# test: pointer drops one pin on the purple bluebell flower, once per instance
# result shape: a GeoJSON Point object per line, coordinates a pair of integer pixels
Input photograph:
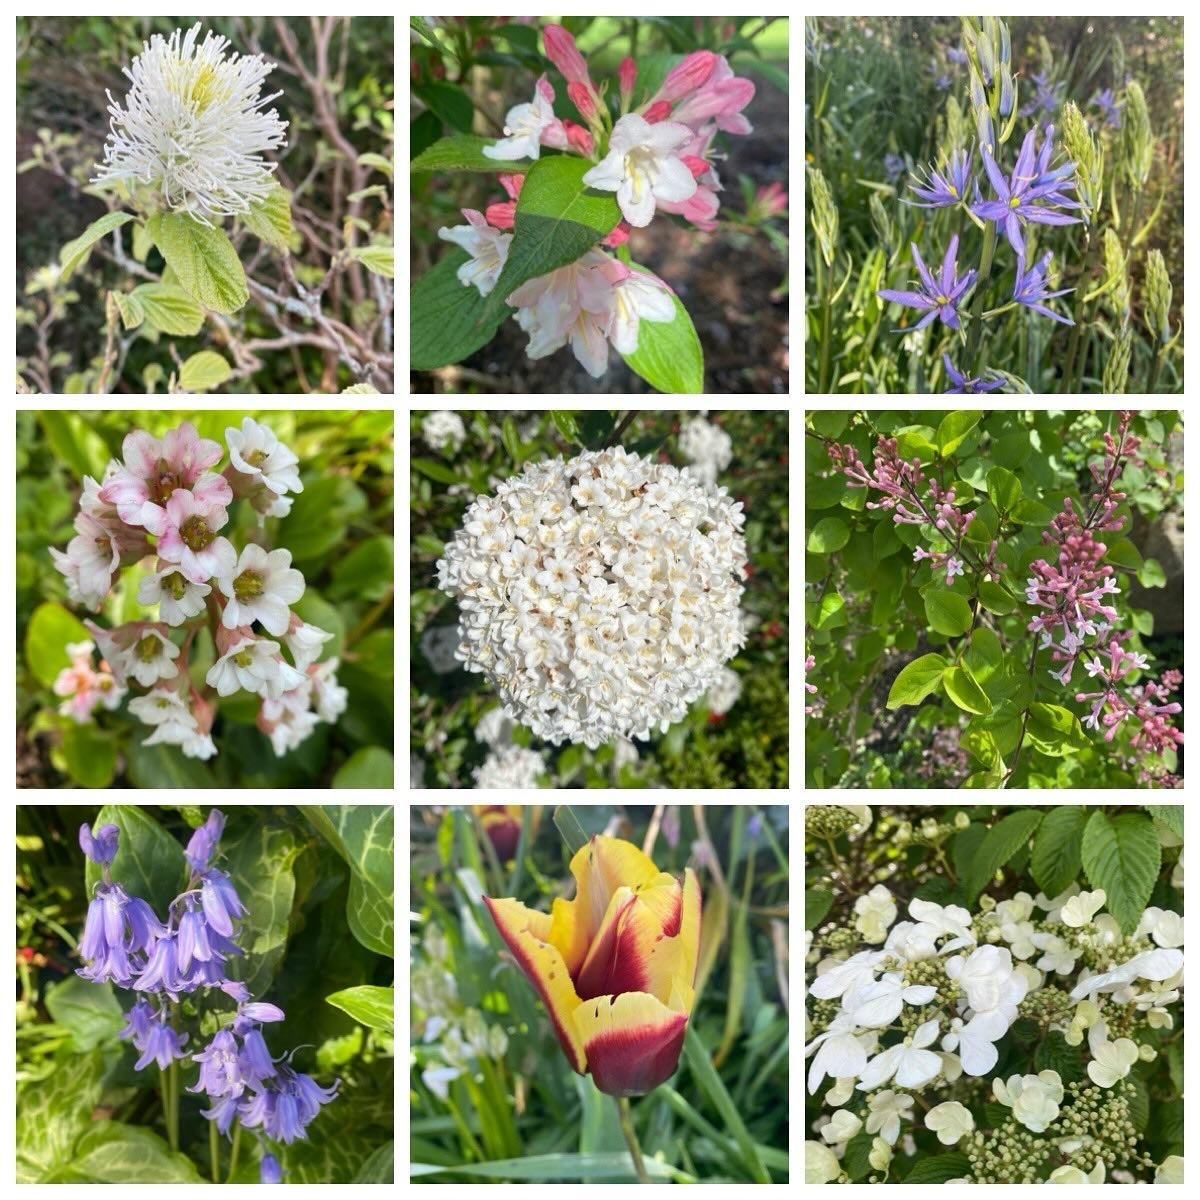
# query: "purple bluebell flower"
{"type": "Point", "coordinates": [1110, 110]}
{"type": "Point", "coordinates": [144, 927]}
{"type": "Point", "coordinates": [161, 1045]}
{"type": "Point", "coordinates": [1030, 289]}
{"type": "Point", "coordinates": [256, 1059]}
{"type": "Point", "coordinates": [116, 927]}
{"type": "Point", "coordinates": [222, 905]}
{"type": "Point", "coordinates": [963, 385]}
{"type": "Point", "coordinates": [236, 989]}
{"type": "Point", "coordinates": [938, 297]}
{"type": "Point", "coordinates": [137, 1022]}
{"type": "Point", "coordinates": [204, 841]}
{"type": "Point", "coordinates": [161, 973]}
{"type": "Point", "coordinates": [286, 1106]}
{"type": "Point", "coordinates": [948, 188]}
{"type": "Point", "coordinates": [269, 1170]}
{"type": "Point", "coordinates": [101, 848]}
{"type": "Point", "coordinates": [222, 1112]}
{"type": "Point", "coordinates": [263, 1012]}
{"type": "Point", "coordinates": [221, 1068]}
{"type": "Point", "coordinates": [193, 939]}
{"type": "Point", "coordinates": [1031, 180]}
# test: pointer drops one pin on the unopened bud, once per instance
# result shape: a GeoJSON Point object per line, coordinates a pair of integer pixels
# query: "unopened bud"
{"type": "Point", "coordinates": [961, 820]}
{"type": "Point", "coordinates": [564, 54]}
{"type": "Point", "coordinates": [1116, 368]}
{"type": "Point", "coordinates": [882, 222]}
{"type": "Point", "coordinates": [501, 216]}
{"type": "Point", "coordinates": [1156, 297]}
{"type": "Point", "coordinates": [1147, 1053]}
{"type": "Point", "coordinates": [658, 111]}
{"type": "Point", "coordinates": [825, 225]}
{"type": "Point", "coordinates": [1137, 138]}
{"type": "Point", "coordinates": [581, 97]}
{"type": "Point", "coordinates": [690, 74]}
{"type": "Point", "coordinates": [986, 903]}
{"type": "Point", "coordinates": [626, 78]}
{"type": "Point", "coordinates": [579, 138]}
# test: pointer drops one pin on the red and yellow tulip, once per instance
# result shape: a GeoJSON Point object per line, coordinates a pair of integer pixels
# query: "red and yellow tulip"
{"type": "Point", "coordinates": [502, 824]}
{"type": "Point", "coordinates": [615, 967]}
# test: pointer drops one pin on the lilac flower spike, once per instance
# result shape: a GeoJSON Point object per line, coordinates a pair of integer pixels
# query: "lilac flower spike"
{"type": "Point", "coordinates": [101, 848]}
{"type": "Point", "coordinates": [1030, 180]}
{"type": "Point", "coordinates": [1030, 289]}
{"type": "Point", "coordinates": [940, 296]}
{"type": "Point", "coordinates": [946, 189]}
{"type": "Point", "coordinates": [964, 386]}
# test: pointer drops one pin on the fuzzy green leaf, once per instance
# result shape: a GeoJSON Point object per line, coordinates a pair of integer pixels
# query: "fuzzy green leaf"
{"type": "Point", "coordinates": [203, 259]}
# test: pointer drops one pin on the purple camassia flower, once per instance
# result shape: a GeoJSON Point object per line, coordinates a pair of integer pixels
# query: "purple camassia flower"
{"type": "Point", "coordinates": [1110, 110]}
{"type": "Point", "coordinates": [1030, 289]}
{"type": "Point", "coordinates": [956, 55]}
{"type": "Point", "coordinates": [964, 386]}
{"type": "Point", "coordinates": [269, 1170]}
{"type": "Point", "coordinates": [939, 297]}
{"type": "Point", "coordinates": [1031, 180]}
{"type": "Point", "coordinates": [941, 80]}
{"type": "Point", "coordinates": [945, 189]}
{"type": "Point", "coordinates": [287, 1105]}
{"type": "Point", "coordinates": [204, 841]}
{"type": "Point", "coordinates": [222, 906]}
{"type": "Point", "coordinates": [101, 848]}
{"type": "Point", "coordinates": [1047, 97]}
{"type": "Point", "coordinates": [893, 166]}
{"type": "Point", "coordinates": [120, 931]}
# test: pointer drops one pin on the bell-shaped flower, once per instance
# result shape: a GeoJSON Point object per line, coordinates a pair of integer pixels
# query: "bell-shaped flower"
{"type": "Point", "coordinates": [528, 126]}
{"type": "Point", "coordinates": [220, 901]}
{"type": "Point", "coordinates": [636, 296]}
{"type": "Point", "coordinates": [910, 1063]}
{"type": "Point", "coordinates": [161, 1044]}
{"type": "Point", "coordinates": [1034, 1099]}
{"type": "Point", "coordinates": [951, 1121]}
{"type": "Point", "coordinates": [101, 847]}
{"type": "Point", "coordinates": [642, 166]}
{"type": "Point", "coordinates": [615, 966]}
{"type": "Point", "coordinates": [255, 665]}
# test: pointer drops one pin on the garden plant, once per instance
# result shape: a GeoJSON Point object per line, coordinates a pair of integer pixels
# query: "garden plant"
{"type": "Point", "coordinates": [589, 153]}
{"type": "Point", "coordinates": [1010, 219]}
{"type": "Point", "coordinates": [175, 1051]}
{"type": "Point", "coordinates": [588, 613]}
{"type": "Point", "coordinates": [994, 995]}
{"type": "Point", "coordinates": [978, 611]}
{"type": "Point", "coordinates": [600, 997]}
{"type": "Point", "coordinates": [233, 230]}
{"type": "Point", "coordinates": [199, 611]}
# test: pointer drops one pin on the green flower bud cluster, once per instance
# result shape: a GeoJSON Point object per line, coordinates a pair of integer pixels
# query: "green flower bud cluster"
{"type": "Point", "coordinates": [827, 820]}
{"type": "Point", "coordinates": [824, 215]}
{"type": "Point", "coordinates": [1156, 296]}
{"type": "Point", "coordinates": [1137, 138]}
{"type": "Point", "coordinates": [885, 231]}
{"type": "Point", "coordinates": [841, 939]}
{"type": "Point", "coordinates": [1047, 1006]}
{"type": "Point", "coordinates": [1009, 1154]}
{"type": "Point", "coordinates": [1116, 369]}
{"type": "Point", "coordinates": [1116, 275]}
{"type": "Point", "coordinates": [1087, 155]}
{"type": "Point", "coordinates": [823, 1012]}
{"type": "Point", "coordinates": [957, 127]}
{"type": "Point", "coordinates": [1102, 1115]}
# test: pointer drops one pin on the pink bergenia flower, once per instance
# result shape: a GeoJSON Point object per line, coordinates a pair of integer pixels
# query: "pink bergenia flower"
{"type": "Point", "coordinates": [258, 459]}
{"type": "Point", "coordinates": [83, 688]}
{"type": "Point", "coordinates": [155, 468]}
{"type": "Point", "coordinates": [89, 562]}
{"type": "Point", "coordinates": [188, 536]}
{"type": "Point", "coordinates": [487, 247]}
{"type": "Point", "coordinates": [642, 166]}
{"type": "Point", "coordinates": [260, 588]}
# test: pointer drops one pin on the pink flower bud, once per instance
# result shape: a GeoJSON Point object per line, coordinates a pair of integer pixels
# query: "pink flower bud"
{"type": "Point", "coordinates": [545, 88]}
{"type": "Point", "coordinates": [564, 54]}
{"type": "Point", "coordinates": [627, 77]}
{"type": "Point", "coordinates": [578, 138]}
{"type": "Point", "coordinates": [697, 166]}
{"type": "Point", "coordinates": [512, 184]}
{"type": "Point", "coordinates": [692, 73]}
{"type": "Point", "coordinates": [501, 215]}
{"type": "Point", "coordinates": [618, 237]}
{"type": "Point", "coordinates": [658, 111]}
{"type": "Point", "coordinates": [581, 97]}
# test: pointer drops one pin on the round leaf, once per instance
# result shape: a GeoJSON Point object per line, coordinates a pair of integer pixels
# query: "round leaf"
{"type": "Point", "coordinates": [829, 534]}
{"type": "Point", "coordinates": [965, 692]}
{"type": "Point", "coordinates": [947, 611]}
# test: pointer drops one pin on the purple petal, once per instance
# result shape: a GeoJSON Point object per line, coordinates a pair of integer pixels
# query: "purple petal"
{"type": "Point", "coordinates": [912, 299]}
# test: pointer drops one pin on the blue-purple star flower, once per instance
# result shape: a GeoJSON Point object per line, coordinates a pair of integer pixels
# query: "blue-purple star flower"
{"type": "Point", "coordinates": [938, 297]}
{"type": "Point", "coordinates": [1046, 99]}
{"type": "Point", "coordinates": [945, 189]}
{"type": "Point", "coordinates": [1031, 179]}
{"type": "Point", "coordinates": [956, 56]}
{"type": "Point", "coordinates": [893, 166]}
{"type": "Point", "coordinates": [1030, 289]}
{"type": "Point", "coordinates": [1110, 110]}
{"type": "Point", "coordinates": [964, 386]}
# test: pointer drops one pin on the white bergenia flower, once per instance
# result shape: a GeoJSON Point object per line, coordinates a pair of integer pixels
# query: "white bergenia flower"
{"type": "Point", "coordinates": [443, 429]}
{"type": "Point", "coordinates": [177, 597]}
{"type": "Point", "coordinates": [841, 1127]}
{"type": "Point", "coordinates": [158, 707]}
{"type": "Point", "coordinates": [255, 451]}
{"type": "Point", "coordinates": [874, 913]}
{"type": "Point", "coordinates": [1163, 925]}
{"type": "Point", "coordinates": [1079, 910]}
{"type": "Point", "coordinates": [951, 1122]}
{"type": "Point", "coordinates": [255, 665]}
{"type": "Point", "coordinates": [888, 1109]}
{"type": "Point", "coordinates": [820, 1163]}
{"type": "Point", "coordinates": [261, 587]}
{"type": "Point", "coordinates": [1155, 965]}
{"type": "Point", "coordinates": [151, 658]}
{"type": "Point", "coordinates": [487, 247]}
{"type": "Point", "coordinates": [909, 1062]}
{"type": "Point", "coordinates": [305, 642]}
{"type": "Point", "coordinates": [1070, 1174]}
{"type": "Point", "coordinates": [642, 166]}
{"type": "Point", "coordinates": [328, 696]}
{"type": "Point", "coordinates": [510, 767]}
{"type": "Point", "coordinates": [192, 128]}
{"type": "Point", "coordinates": [1034, 1099]}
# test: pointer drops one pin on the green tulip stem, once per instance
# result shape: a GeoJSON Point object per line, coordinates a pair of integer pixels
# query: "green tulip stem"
{"type": "Point", "coordinates": [625, 1116]}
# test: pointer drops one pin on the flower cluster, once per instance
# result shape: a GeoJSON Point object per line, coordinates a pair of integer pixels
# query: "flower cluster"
{"type": "Point", "coordinates": [510, 767]}
{"type": "Point", "coordinates": [926, 1003]}
{"type": "Point", "coordinates": [600, 596]}
{"type": "Point", "coordinates": [165, 488]}
{"type": "Point", "coordinates": [125, 943]}
{"type": "Point", "coordinates": [443, 430]}
{"type": "Point", "coordinates": [83, 688]}
{"type": "Point", "coordinates": [707, 448]}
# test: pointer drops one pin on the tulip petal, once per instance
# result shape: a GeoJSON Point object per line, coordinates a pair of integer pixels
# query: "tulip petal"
{"type": "Point", "coordinates": [600, 867]}
{"type": "Point", "coordinates": [527, 933]}
{"type": "Point", "coordinates": [568, 935]}
{"type": "Point", "coordinates": [689, 925]}
{"type": "Point", "coordinates": [632, 1042]}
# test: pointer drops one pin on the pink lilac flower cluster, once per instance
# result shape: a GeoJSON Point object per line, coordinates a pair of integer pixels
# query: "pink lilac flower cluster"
{"type": "Point", "coordinates": [164, 489]}
{"type": "Point", "coordinates": [659, 156]}
{"type": "Point", "coordinates": [945, 759]}
{"type": "Point", "coordinates": [1142, 702]}
{"type": "Point", "coordinates": [809, 664]}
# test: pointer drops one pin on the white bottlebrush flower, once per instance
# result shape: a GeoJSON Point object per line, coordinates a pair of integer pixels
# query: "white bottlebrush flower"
{"type": "Point", "coordinates": [192, 126]}
{"type": "Point", "coordinates": [1034, 1099]}
{"type": "Point", "coordinates": [177, 597]}
{"type": "Point", "coordinates": [951, 1121]}
{"type": "Point", "coordinates": [255, 451]}
{"type": "Point", "coordinates": [260, 588]}
{"type": "Point", "coordinates": [909, 1062]}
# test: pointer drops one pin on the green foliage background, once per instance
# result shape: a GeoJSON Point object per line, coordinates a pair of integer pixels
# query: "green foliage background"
{"type": "Point", "coordinates": [748, 747]}
{"type": "Point", "coordinates": [84, 1114]}
{"type": "Point", "coordinates": [340, 534]}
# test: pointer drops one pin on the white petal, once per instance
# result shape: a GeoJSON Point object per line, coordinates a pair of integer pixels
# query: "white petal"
{"type": "Point", "coordinates": [917, 1067]}
{"type": "Point", "coordinates": [608, 173]}
{"type": "Point", "coordinates": [880, 1069]}
{"type": "Point", "coordinates": [920, 993]}
{"type": "Point", "coordinates": [675, 182]}
{"type": "Point", "coordinates": [925, 1034]}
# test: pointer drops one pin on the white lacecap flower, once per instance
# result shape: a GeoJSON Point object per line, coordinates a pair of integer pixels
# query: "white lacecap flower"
{"type": "Point", "coordinates": [841, 1127]}
{"type": "Point", "coordinates": [888, 1109]}
{"type": "Point", "coordinates": [874, 913]}
{"type": "Point", "coordinates": [880, 1155]}
{"type": "Point", "coordinates": [1155, 965]}
{"type": "Point", "coordinates": [820, 1164]}
{"type": "Point", "coordinates": [443, 429]}
{"type": "Point", "coordinates": [1111, 1061]}
{"type": "Point", "coordinates": [1034, 1099]}
{"type": "Point", "coordinates": [1079, 910]}
{"type": "Point", "coordinates": [910, 1062]}
{"type": "Point", "coordinates": [1164, 927]}
{"type": "Point", "coordinates": [604, 616]}
{"type": "Point", "coordinates": [1170, 1170]}
{"type": "Point", "coordinates": [951, 1121]}
{"type": "Point", "coordinates": [192, 127]}
{"type": "Point", "coordinates": [510, 767]}
{"type": "Point", "coordinates": [1070, 1174]}
{"type": "Point", "coordinates": [707, 448]}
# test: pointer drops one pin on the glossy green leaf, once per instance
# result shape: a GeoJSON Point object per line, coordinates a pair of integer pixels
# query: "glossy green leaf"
{"type": "Point", "coordinates": [367, 767]}
{"type": "Point", "coordinates": [165, 767]}
{"type": "Point", "coordinates": [149, 860]}
{"type": "Point", "coordinates": [1055, 861]}
{"type": "Point", "coordinates": [203, 259]}
{"type": "Point", "coordinates": [465, 153]}
{"type": "Point", "coordinates": [363, 834]}
{"type": "Point", "coordinates": [1003, 488]}
{"type": "Point", "coordinates": [828, 535]}
{"type": "Point", "coordinates": [51, 630]}
{"type": "Point", "coordinates": [953, 430]}
{"type": "Point", "coordinates": [981, 745]}
{"type": "Point", "coordinates": [1151, 574]}
{"type": "Point", "coordinates": [1031, 512]}
{"type": "Point", "coordinates": [965, 692]}
{"type": "Point", "coordinates": [1054, 730]}
{"type": "Point", "coordinates": [669, 356]}
{"type": "Point", "coordinates": [372, 1006]}
{"type": "Point", "coordinates": [920, 677]}
{"type": "Point", "coordinates": [90, 1011]}
{"type": "Point", "coordinates": [947, 611]}
{"type": "Point", "coordinates": [90, 754]}
{"type": "Point", "coordinates": [446, 317]}
{"type": "Point", "coordinates": [566, 424]}
{"type": "Point", "coordinates": [1122, 855]}
{"type": "Point", "coordinates": [75, 253]}
{"type": "Point", "coordinates": [995, 598]}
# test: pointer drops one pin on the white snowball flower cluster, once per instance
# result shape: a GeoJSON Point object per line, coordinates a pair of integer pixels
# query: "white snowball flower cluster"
{"type": "Point", "coordinates": [707, 448]}
{"type": "Point", "coordinates": [494, 728]}
{"type": "Point", "coordinates": [443, 430]}
{"type": "Point", "coordinates": [510, 767]}
{"type": "Point", "coordinates": [599, 596]}
{"type": "Point", "coordinates": [724, 694]}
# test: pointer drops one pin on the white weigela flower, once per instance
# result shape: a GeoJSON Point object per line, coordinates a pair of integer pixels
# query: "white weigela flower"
{"type": "Point", "coordinates": [1079, 910]}
{"type": "Point", "coordinates": [510, 767]}
{"type": "Point", "coordinates": [260, 588]}
{"type": "Point", "coordinates": [910, 1062]}
{"type": "Point", "coordinates": [599, 622]}
{"type": "Point", "coordinates": [177, 597]}
{"type": "Point", "coordinates": [487, 247]}
{"type": "Point", "coordinates": [1034, 1099]}
{"type": "Point", "coordinates": [192, 129]}
{"type": "Point", "coordinates": [842, 1126]}
{"type": "Point", "coordinates": [874, 913]}
{"type": "Point", "coordinates": [951, 1121]}
{"type": "Point", "coordinates": [888, 1109]}
{"type": "Point", "coordinates": [256, 452]}
{"type": "Point", "coordinates": [524, 126]}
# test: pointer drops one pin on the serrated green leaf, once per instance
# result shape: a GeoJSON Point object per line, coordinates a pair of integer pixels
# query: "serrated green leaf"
{"type": "Point", "coordinates": [270, 219]}
{"type": "Point", "coordinates": [1055, 861]}
{"type": "Point", "coordinates": [378, 258]}
{"type": "Point", "coordinates": [961, 687]}
{"type": "Point", "coordinates": [817, 902]}
{"type": "Point", "coordinates": [1122, 855]}
{"type": "Point", "coordinates": [1052, 1053]}
{"type": "Point", "coordinates": [939, 1169]}
{"type": "Point", "coordinates": [917, 680]}
{"type": "Point", "coordinates": [169, 309]}
{"type": "Point", "coordinates": [446, 316]}
{"type": "Point", "coordinates": [203, 258]}
{"type": "Point", "coordinates": [1171, 815]}
{"type": "Point", "coordinates": [1001, 843]}
{"type": "Point", "coordinates": [856, 1161]}
{"type": "Point", "coordinates": [669, 356]}
{"type": "Point", "coordinates": [947, 611]}
{"type": "Point", "coordinates": [953, 430]}
{"type": "Point", "coordinates": [204, 371]}
{"type": "Point", "coordinates": [75, 253]}
{"type": "Point", "coordinates": [132, 313]}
